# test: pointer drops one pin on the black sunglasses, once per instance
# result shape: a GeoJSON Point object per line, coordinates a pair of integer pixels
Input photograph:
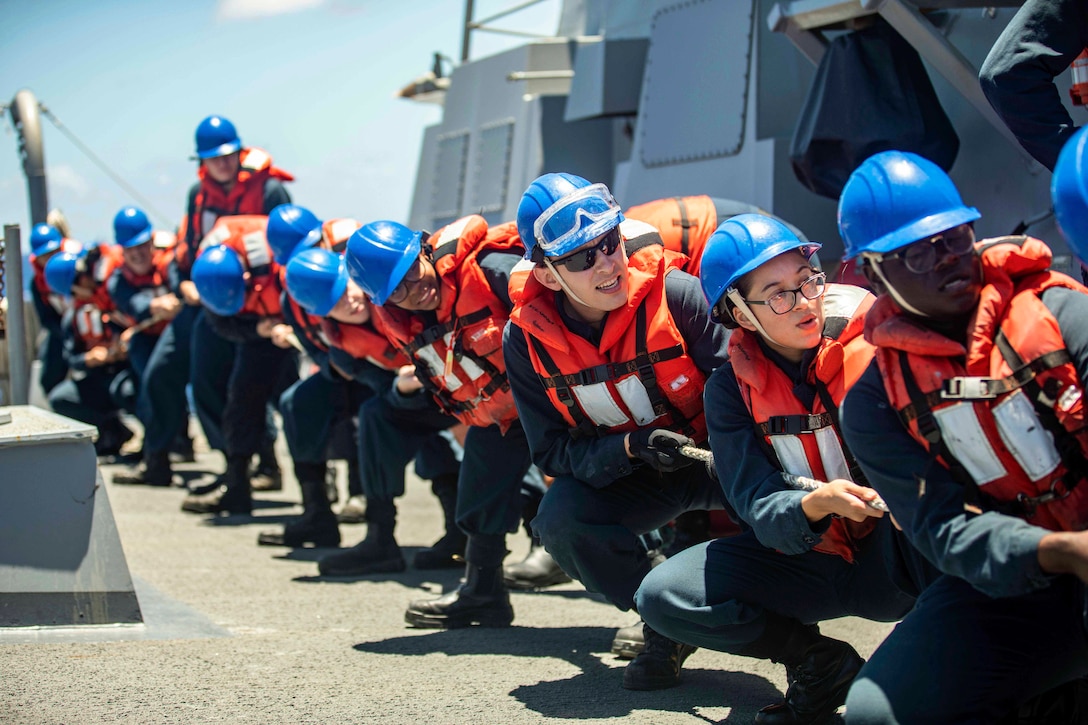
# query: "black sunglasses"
{"type": "Point", "coordinates": [584, 259]}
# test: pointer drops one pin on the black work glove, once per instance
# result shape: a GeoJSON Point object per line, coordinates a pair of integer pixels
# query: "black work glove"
{"type": "Point", "coordinates": [660, 448]}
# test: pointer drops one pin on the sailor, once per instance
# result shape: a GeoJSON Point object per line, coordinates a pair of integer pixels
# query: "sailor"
{"type": "Point", "coordinates": [796, 348]}
{"type": "Point", "coordinates": [101, 383]}
{"type": "Point", "coordinates": [143, 290]}
{"type": "Point", "coordinates": [46, 241]}
{"type": "Point", "coordinates": [1039, 43]}
{"type": "Point", "coordinates": [970, 425]}
{"type": "Point", "coordinates": [239, 286]}
{"type": "Point", "coordinates": [607, 354]}
{"type": "Point", "coordinates": [443, 300]}
{"type": "Point", "coordinates": [233, 179]}
{"type": "Point", "coordinates": [317, 419]}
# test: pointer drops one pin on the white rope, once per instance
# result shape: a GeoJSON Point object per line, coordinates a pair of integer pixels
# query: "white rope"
{"type": "Point", "coordinates": [800, 483]}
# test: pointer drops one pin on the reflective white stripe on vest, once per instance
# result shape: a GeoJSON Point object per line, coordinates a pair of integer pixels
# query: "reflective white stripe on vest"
{"type": "Point", "coordinates": [437, 367]}
{"type": "Point", "coordinates": [831, 455]}
{"type": "Point", "coordinates": [790, 450]}
{"type": "Point", "coordinates": [89, 321]}
{"type": "Point", "coordinates": [162, 240]}
{"type": "Point", "coordinates": [1028, 441]}
{"type": "Point", "coordinates": [452, 232]}
{"type": "Point", "coordinates": [258, 253]}
{"type": "Point", "coordinates": [217, 235]}
{"type": "Point", "coordinates": [597, 403]}
{"type": "Point", "coordinates": [791, 455]}
{"type": "Point", "coordinates": [963, 434]}
{"type": "Point", "coordinates": [256, 158]}
{"type": "Point", "coordinates": [633, 394]}
{"type": "Point", "coordinates": [341, 229]}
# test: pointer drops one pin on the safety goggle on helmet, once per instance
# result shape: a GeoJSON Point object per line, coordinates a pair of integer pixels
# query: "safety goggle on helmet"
{"type": "Point", "coordinates": [576, 219]}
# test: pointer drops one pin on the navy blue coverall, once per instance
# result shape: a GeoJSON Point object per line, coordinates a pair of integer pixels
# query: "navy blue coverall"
{"type": "Point", "coordinates": [601, 501]}
{"type": "Point", "coordinates": [995, 629]}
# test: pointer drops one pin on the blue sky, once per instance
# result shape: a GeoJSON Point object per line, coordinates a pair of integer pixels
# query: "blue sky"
{"type": "Point", "coordinates": [311, 81]}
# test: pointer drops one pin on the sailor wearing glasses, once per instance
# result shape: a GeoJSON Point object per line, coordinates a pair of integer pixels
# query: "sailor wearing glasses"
{"type": "Point", "coordinates": [607, 354]}
{"type": "Point", "coordinates": [796, 348]}
{"type": "Point", "coordinates": [971, 424]}
{"type": "Point", "coordinates": [443, 300]}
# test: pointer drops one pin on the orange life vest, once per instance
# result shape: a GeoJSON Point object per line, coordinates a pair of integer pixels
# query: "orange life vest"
{"type": "Point", "coordinates": [1005, 412]}
{"type": "Point", "coordinates": [807, 442]}
{"type": "Point", "coordinates": [155, 282]}
{"type": "Point", "coordinates": [684, 223]}
{"type": "Point", "coordinates": [211, 203]}
{"type": "Point", "coordinates": [460, 358]}
{"type": "Point", "coordinates": [363, 342]}
{"type": "Point", "coordinates": [110, 258]}
{"type": "Point", "coordinates": [640, 374]}
{"type": "Point", "coordinates": [91, 324]}
{"type": "Point", "coordinates": [246, 236]}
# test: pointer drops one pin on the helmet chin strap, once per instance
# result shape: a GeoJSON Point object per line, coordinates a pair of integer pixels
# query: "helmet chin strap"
{"type": "Point", "coordinates": [893, 292]}
{"type": "Point", "coordinates": [562, 283]}
{"type": "Point", "coordinates": [734, 296]}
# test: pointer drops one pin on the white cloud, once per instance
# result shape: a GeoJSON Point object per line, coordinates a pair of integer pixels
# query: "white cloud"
{"type": "Point", "coordinates": [250, 9]}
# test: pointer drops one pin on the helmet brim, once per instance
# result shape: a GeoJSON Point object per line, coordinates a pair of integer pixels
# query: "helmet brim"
{"type": "Point", "coordinates": [922, 229]}
{"type": "Point", "coordinates": [411, 253]}
{"type": "Point", "coordinates": [142, 238]}
{"type": "Point", "coordinates": [221, 150]}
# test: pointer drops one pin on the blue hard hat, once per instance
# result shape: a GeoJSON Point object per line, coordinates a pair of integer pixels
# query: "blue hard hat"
{"type": "Point", "coordinates": [215, 136]}
{"type": "Point", "coordinates": [739, 245]}
{"type": "Point", "coordinates": [379, 254]}
{"type": "Point", "coordinates": [316, 279]}
{"type": "Point", "coordinates": [44, 238]}
{"type": "Point", "coordinates": [131, 227]}
{"type": "Point", "coordinates": [218, 276]}
{"type": "Point", "coordinates": [61, 271]}
{"type": "Point", "coordinates": [291, 227]}
{"type": "Point", "coordinates": [1069, 190]}
{"type": "Point", "coordinates": [560, 212]}
{"type": "Point", "coordinates": [896, 198]}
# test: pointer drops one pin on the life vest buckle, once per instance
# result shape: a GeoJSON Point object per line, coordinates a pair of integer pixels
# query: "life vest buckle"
{"type": "Point", "coordinates": [1058, 491]}
{"type": "Point", "coordinates": [968, 388]}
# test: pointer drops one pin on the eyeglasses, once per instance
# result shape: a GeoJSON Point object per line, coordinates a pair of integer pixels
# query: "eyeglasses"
{"type": "Point", "coordinates": [584, 259]}
{"type": "Point", "coordinates": [921, 256]}
{"type": "Point", "coordinates": [784, 301]}
{"type": "Point", "coordinates": [411, 278]}
{"type": "Point", "coordinates": [574, 216]}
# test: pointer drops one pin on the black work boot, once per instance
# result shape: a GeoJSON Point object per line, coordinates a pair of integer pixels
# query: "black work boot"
{"type": "Point", "coordinates": [112, 435]}
{"type": "Point", "coordinates": [658, 665]}
{"type": "Point", "coordinates": [266, 476]}
{"type": "Point", "coordinates": [317, 525]}
{"type": "Point", "coordinates": [153, 470]}
{"type": "Point", "coordinates": [629, 642]}
{"type": "Point", "coordinates": [181, 449]}
{"type": "Point", "coordinates": [233, 497]}
{"type": "Point", "coordinates": [481, 600]}
{"type": "Point", "coordinates": [449, 551]}
{"type": "Point", "coordinates": [820, 682]}
{"type": "Point", "coordinates": [536, 571]}
{"type": "Point", "coordinates": [378, 553]}
{"type": "Point", "coordinates": [818, 668]}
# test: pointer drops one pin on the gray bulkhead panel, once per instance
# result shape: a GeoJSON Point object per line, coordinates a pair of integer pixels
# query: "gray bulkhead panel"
{"type": "Point", "coordinates": [718, 100]}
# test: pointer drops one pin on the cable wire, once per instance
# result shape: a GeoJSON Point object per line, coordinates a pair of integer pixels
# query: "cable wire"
{"type": "Point", "coordinates": [144, 202]}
